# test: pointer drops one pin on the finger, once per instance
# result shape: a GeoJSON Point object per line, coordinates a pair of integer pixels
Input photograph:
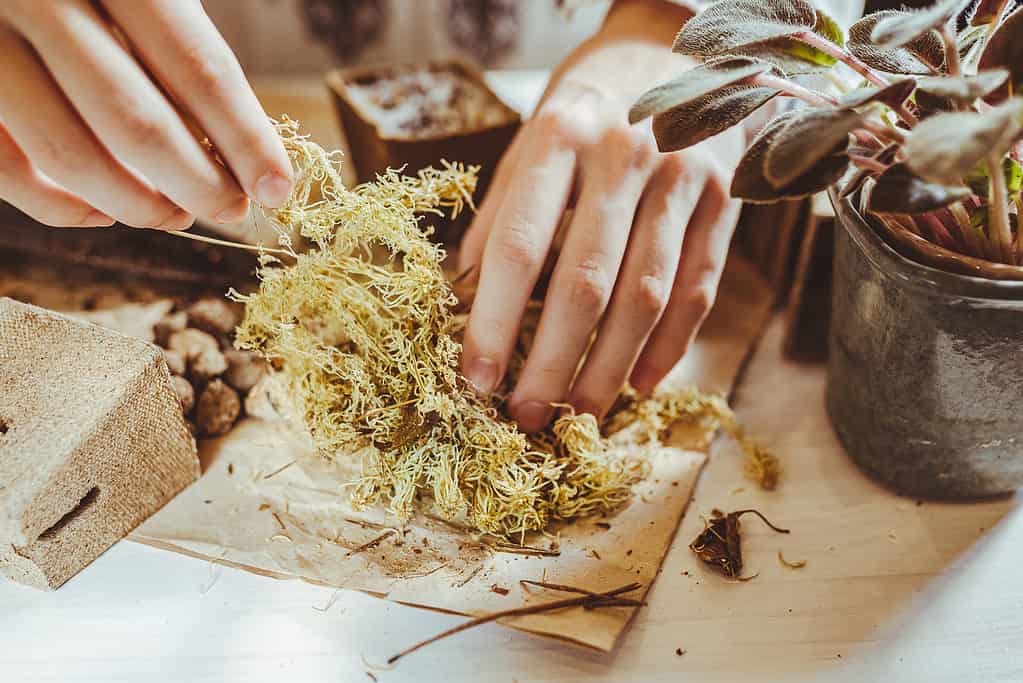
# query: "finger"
{"type": "Point", "coordinates": [470, 251]}
{"type": "Point", "coordinates": [513, 256]}
{"type": "Point", "coordinates": [650, 266]}
{"type": "Point", "coordinates": [26, 189]}
{"type": "Point", "coordinates": [704, 252]}
{"type": "Point", "coordinates": [126, 110]}
{"type": "Point", "coordinates": [184, 50]}
{"type": "Point", "coordinates": [60, 145]}
{"type": "Point", "coordinates": [585, 274]}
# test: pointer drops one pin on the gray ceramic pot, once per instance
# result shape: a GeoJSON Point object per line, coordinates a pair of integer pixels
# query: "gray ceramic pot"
{"type": "Point", "coordinates": [925, 369]}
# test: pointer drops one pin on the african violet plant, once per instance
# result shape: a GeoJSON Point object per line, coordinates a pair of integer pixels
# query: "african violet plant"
{"type": "Point", "coordinates": [932, 134]}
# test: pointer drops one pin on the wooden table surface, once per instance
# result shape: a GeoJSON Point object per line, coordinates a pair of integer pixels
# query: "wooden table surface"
{"type": "Point", "coordinates": [892, 591]}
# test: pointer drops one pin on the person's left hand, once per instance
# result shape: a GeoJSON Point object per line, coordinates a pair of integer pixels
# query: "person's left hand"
{"type": "Point", "coordinates": [642, 255]}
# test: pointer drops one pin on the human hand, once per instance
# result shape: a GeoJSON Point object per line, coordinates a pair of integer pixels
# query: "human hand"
{"type": "Point", "coordinates": [91, 122]}
{"type": "Point", "coordinates": [643, 252]}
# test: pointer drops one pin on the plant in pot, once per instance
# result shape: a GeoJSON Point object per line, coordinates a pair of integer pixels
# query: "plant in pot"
{"type": "Point", "coordinates": [914, 126]}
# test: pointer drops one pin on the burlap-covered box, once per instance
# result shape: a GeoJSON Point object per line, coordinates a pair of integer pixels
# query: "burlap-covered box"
{"type": "Point", "coordinates": [92, 441]}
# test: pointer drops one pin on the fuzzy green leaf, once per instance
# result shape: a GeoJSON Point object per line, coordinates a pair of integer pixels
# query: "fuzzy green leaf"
{"type": "Point", "coordinates": [901, 28]}
{"type": "Point", "coordinates": [751, 184]}
{"type": "Point", "coordinates": [899, 190]}
{"type": "Point", "coordinates": [893, 95]}
{"type": "Point", "coordinates": [793, 56]}
{"type": "Point", "coordinates": [728, 25]}
{"type": "Point", "coordinates": [964, 89]}
{"type": "Point", "coordinates": [1005, 49]}
{"type": "Point", "coordinates": [696, 83]}
{"type": "Point", "coordinates": [808, 138]}
{"type": "Point", "coordinates": [924, 55]}
{"type": "Point", "coordinates": [705, 117]}
{"type": "Point", "coordinates": [946, 147]}
{"type": "Point", "coordinates": [978, 178]}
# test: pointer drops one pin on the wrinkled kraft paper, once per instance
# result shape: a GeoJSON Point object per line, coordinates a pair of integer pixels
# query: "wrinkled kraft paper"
{"type": "Point", "coordinates": [295, 523]}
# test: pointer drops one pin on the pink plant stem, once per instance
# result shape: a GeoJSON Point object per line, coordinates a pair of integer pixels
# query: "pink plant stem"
{"type": "Point", "coordinates": [885, 132]}
{"type": "Point", "coordinates": [939, 233]}
{"type": "Point", "coordinates": [793, 89]}
{"type": "Point", "coordinates": [857, 65]}
{"type": "Point", "coordinates": [854, 63]}
{"type": "Point", "coordinates": [869, 163]}
{"type": "Point", "coordinates": [962, 219]}
{"type": "Point", "coordinates": [955, 68]}
{"type": "Point", "coordinates": [811, 97]}
{"type": "Point", "coordinates": [998, 208]}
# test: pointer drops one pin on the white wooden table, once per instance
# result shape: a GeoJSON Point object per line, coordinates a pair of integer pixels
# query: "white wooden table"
{"type": "Point", "coordinates": [892, 591]}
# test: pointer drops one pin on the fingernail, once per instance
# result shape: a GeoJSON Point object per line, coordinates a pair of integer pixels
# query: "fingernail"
{"type": "Point", "coordinates": [532, 416]}
{"type": "Point", "coordinates": [97, 219]}
{"type": "Point", "coordinates": [272, 189]}
{"type": "Point", "coordinates": [583, 407]}
{"type": "Point", "coordinates": [234, 213]}
{"type": "Point", "coordinates": [482, 374]}
{"type": "Point", "coordinates": [179, 220]}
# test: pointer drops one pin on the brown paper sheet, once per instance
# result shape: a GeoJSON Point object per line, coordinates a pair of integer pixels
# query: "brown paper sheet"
{"type": "Point", "coordinates": [295, 525]}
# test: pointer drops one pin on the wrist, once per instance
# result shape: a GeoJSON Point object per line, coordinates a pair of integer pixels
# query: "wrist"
{"type": "Point", "coordinates": [655, 21]}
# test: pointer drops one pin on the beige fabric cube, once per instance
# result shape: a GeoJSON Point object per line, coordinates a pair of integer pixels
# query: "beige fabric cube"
{"type": "Point", "coordinates": [92, 441]}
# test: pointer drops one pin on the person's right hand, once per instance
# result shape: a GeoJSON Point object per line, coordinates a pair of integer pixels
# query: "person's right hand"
{"type": "Point", "coordinates": [91, 122]}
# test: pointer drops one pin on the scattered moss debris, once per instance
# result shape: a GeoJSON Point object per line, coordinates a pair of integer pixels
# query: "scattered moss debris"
{"type": "Point", "coordinates": [720, 545]}
{"type": "Point", "coordinates": [584, 598]}
{"type": "Point", "coordinates": [363, 331]}
{"type": "Point", "coordinates": [798, 564]}
{"type": "Point", "coordinates": [650, 420]}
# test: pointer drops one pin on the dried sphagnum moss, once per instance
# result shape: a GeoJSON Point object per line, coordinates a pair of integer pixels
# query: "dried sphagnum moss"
{"type": "Point", "coordinates": [362, 329]}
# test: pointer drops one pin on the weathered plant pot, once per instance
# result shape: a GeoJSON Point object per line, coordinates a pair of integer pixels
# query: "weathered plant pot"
{"type": "Point", "coordinates": [925, 369]}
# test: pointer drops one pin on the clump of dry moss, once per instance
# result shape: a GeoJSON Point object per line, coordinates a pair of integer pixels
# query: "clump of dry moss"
{"type": "Point", "coordinates": [363, 331]}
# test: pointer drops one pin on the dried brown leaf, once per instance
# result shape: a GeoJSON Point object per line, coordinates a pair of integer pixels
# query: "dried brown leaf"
{"type": "Point", "coordinates": [899, 190]}
{"type": "Point", "coordinates": [707, 116]}
{"type": "Point", "coordinates": [695, 84]}
{"type": "Point", "coordinates": [902, 27]}
{"type": "Point", "coordinates": [1005, 49]}
{"type": "Point", "coordinates": [807, 139]}
{"type": "Point", "coordinates": [945, 147]}
{"type": "Point", "coordinates": [923, 55]}
{"type": "Point", "coordinates": [731, 24]}
{"type": "Point", "coordinates": [751, 185]}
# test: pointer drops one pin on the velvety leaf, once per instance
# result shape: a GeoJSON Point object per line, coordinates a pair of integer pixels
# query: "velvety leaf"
{"type": "Point", "coordinates": [901, 28]}
{"type": "Point", "coordinates": [1005, 49]}
{"type": "Point", "coordinates": [923, 55]}
{"type": "Point", "coordinates": [899, 190]}
{"type": "Point", "coordinates": [963, 88]}
{"type": "Point", "coordinates": [730, 24]}
{"type": "Point", "coordinates": [805, 140]}
{"type": "Point", "coordinates": [978, 178]}
{"type": "Point", "coordinates": [893, 95]}
{"type": "Point", "coordinates": [695, 83]}
{"type": "Point", "coordinates": [795, 57]}
{"type": "Point", "coordinates": [750, 183]}
{"type": "Point", "coordinates": [946, 147]}
{"type": "Point", "coordinates": [886, 156]}
{"type": "Point", "coordinates": [707, 116]}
